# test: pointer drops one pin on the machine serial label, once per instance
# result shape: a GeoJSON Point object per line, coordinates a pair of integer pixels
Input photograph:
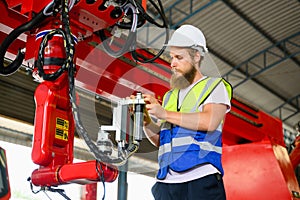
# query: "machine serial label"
{"type": "Point", "coordinates": [62, 129]}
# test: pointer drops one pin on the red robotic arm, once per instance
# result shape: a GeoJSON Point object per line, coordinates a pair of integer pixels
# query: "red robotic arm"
{"type": "Point", "coordinates": [54, 123]}
{"type": "Point", "coordinates": [56, 30]}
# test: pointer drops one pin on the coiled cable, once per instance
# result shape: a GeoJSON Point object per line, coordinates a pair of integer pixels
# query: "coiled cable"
{"type": "Point", "coordinates": [12, 36]}
{"type": "Point", "coordinates": [138, 15]}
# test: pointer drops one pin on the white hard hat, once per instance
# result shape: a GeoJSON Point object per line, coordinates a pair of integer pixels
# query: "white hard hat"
{"type": "Point", "coordinates": [188, 36]}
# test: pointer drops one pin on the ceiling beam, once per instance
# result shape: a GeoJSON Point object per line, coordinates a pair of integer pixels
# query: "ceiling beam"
{"type": "Point", "coordinates": [187, 15]}
{"type": "Point", "coordinates": [191, 13]}
{"type": "Point", "coordinates": [287, 102]}
{"type": "Point", "coordinates": [265, 65]}
{"type": "Point", "coordinates": [279, 45]}
{"type": "Point", "coordinates": [284, 107]}
{"type": "Point", "coordinates": [264, 86]}
{"type": "Point", "coordinates": [268, 57]}
{"type": "Point", "coordinates": [258, 29]}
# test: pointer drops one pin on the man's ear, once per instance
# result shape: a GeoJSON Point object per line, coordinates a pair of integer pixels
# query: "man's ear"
{"type": "Point", "coordinates": [197, 57]}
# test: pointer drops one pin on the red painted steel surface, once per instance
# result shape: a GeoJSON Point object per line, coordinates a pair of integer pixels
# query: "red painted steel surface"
{"type": "Point", "coordinates": [247, 124]}
{"type": "Point", "coordinates": [256, 163]}
{"type": "Point", "coordinates": [253, 173]}
{"type": "Point", "coordinates": [98, 72]}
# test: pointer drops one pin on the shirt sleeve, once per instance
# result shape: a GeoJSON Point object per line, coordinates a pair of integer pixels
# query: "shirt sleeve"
{"type": "Point", "coordinates": [219, 96]}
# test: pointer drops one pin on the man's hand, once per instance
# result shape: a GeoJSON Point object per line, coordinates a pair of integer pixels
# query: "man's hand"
{"type": "Point", "coordinates": [147, 118]}
{"type": "Point", "coordinates": [153, 107]}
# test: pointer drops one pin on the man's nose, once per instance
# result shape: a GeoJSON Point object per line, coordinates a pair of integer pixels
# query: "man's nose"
{"type": "Point", "coordinates": [173, 63]}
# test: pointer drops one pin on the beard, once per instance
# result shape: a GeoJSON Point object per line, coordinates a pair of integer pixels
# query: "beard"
{"type": "Point", "coordinates": [183, 81]}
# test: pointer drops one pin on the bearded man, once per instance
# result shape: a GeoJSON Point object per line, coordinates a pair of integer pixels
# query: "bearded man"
{"type": "Point", "coordinates": [188, 129]}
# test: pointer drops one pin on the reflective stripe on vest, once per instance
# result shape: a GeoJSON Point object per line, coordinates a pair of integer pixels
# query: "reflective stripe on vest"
{"type": "Point", "coordinates": [204, 145]}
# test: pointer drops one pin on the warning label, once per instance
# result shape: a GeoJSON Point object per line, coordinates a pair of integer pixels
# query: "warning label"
{"type": "Point", "coordinates": [62, 129]}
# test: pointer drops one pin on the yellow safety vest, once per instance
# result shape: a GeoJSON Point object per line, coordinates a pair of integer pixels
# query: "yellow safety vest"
{"type": "Point", "coordinates": [182, 149]}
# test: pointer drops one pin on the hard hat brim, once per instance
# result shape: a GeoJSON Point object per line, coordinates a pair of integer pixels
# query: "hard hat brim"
{"type": "Point", "coordinates": [180, 41]}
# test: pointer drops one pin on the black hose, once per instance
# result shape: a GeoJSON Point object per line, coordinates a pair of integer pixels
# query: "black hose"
{"type": "Point", "coordinates": [130, 41]}
{"type": "Point", "coordinates": [144, 14]}
{"type": "Point", "coordinates": [123, 154]}
{"type": "Point", "coordinates": [128, 25]}
{"type": "Point", "coordinates": [130, 44]}
{"type": "Point", "coordinates": [15, 65]}
{"type": "Point", "coordinates": [161, 12]}
{"type": "Point", "coordinates": [124, 49]}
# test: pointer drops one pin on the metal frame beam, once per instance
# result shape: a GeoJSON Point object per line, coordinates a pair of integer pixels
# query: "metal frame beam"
{"type": "Point", "coordinates": [268, 57]}
{"type": "Point", "coordinates": [257, 28]}
{"type": "Point", "coordinates": [169, 12]}
{"type": "Point", "coordinates": [191, 13]}
{"type": "Point", "coordinates": [283, 49]}
{"type": "Point", "coordinates": [265, 64]}
{"type": "Point", "coordinates": [285, 107]}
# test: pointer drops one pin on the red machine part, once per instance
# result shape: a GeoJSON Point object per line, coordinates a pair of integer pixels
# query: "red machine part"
{"type": "Point", "coordinates": [110, 79]}
{"type": "Point", "coordinates": [54, 154]}
{"type": "Point", "coordinates": [54, 138]}
{"type": "Point", "coordinates": [87, 15]}
{"type": "Point", "coordinates": [27, 7]}
{"type": "Point", "coordinates": [89, 192]}
{"type": "Point", "coordinates": [54, 126]}
{"type": "Point", "coordinates": [54, 132]}
{"type": "Point", "coordinates": [54, 123]}
{"type": "Point", "coordinates": [253, 172]}
{"type": "Point", "coordinates": [246, 123]}
{"type": "Point", "coordinates": [80, 173]}
{"type": "Point", "coordinates": [5, 192]}
{"type": "Point", "coordinates": [295, 154]}
{"type": "Point", "coordinates": [255, 160]}
{"type": "Point", "coordinates": [84, 15]}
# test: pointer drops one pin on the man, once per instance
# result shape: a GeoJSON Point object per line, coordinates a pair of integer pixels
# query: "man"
{"type": "Point", "coordinates": [188, 129]}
